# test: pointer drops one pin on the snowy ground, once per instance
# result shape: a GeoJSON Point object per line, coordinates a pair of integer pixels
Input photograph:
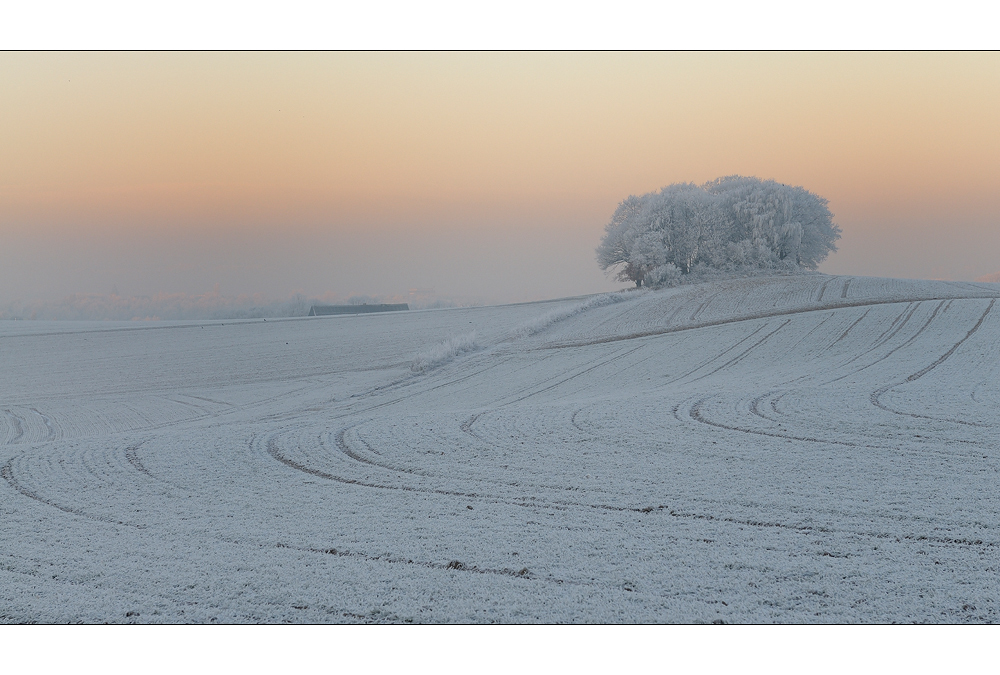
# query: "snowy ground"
{"type": "Point", "coordinates": [796, 449]}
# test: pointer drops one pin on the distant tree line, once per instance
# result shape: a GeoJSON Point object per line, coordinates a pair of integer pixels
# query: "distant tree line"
{"type": "Point", "coordinates": [734, 224]}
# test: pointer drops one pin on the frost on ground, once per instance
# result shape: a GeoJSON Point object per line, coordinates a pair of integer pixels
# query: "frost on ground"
{"type": "Point", "coordinates": [793, 449]}
{"type": "Point", "coordinates": [538, 324]}
{"type": "Point", "coordinates": [445, 351]}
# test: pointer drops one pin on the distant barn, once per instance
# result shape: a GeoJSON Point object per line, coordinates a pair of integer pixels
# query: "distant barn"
{"type": "Point", "coordinates": [328, 310]}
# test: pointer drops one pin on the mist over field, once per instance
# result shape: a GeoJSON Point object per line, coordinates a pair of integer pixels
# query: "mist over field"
{"type": "Point", "coordinates": [214, 305]}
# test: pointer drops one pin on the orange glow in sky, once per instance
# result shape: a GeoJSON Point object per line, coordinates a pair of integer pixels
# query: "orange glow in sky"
{"type": "Point", "coordinates": [478, 175]}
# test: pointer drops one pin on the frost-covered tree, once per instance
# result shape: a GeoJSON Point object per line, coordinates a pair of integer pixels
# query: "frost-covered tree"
{"type": "Point", "coordinates": [730, 224]}
{"type": "Point", "coordinates": [792, 222]}
{"type": "Point", "coordinates": [618, 244]}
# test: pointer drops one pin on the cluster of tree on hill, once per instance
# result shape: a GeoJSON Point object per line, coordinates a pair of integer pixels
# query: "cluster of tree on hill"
{"type": "Point", "coordinates": [729, 225]}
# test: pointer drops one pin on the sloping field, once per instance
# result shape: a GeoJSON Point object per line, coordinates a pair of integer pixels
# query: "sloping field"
{"type": "Point", "coordinates": [792, 449]}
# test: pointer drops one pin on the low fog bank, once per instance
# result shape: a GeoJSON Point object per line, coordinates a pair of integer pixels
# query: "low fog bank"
{"type": "Point", "coordinates": [207, 306]}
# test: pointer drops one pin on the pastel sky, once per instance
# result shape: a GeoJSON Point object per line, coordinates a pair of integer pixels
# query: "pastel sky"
{"type": "Point", "coordinates": [484, 176]}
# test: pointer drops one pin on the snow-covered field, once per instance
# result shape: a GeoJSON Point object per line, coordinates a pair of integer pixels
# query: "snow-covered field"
{"type": "Point", "coordinates": [792, 449]}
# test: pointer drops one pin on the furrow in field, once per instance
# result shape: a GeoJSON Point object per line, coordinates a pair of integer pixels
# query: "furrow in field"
{"type": "Point", "coordinates": [530, 501]}
{"type": "Point", "coordinates": [876, 396]}
{"type": "Point", "coordinates": [881, 358]}
{"type": "Point", "coordinates": [566, 378]}
{"type": "Point", "coordinates": [744, 353]}
{"type": "Point", "coordinates": [697, 412]}
{"type": "Point", "coordinates": [49, 426]}
{"type": "Point", "coordinates": [16, 430]}
{"type": "Point", "coordinates": [715, 356]}
{"type": "Point", "coordinates": [8, 473]}
{"type": "Point", "coordinates": [822, 289]}
{"type": "Point", "coordinates": [743, 318]}
{"type": "Point", "coordinates": [451, 566]}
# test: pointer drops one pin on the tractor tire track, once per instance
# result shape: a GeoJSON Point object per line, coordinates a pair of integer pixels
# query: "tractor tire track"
{"type": "Point", "coordinates": [852, 326]}
{"type": "Point", "coordinates": [760, 524]}
{"type": "Point", "coordinates": [452, 566]}
{"type": "Point", "coordinates": [530, 502]}
{"type": "Point", "coordinates": [890, 332]}
{"type": "Point", "coordinates": [407, 381]}
{"type": "Point", "coordinates": [466, 426]}
{"type": "Point", "coordinates": [16, 422]}
{"type": "Point", "coordinates": [345, 447]}
{"type": "Point", "coordinates": [7, 473]}
{"type": "Point", "coordinates": [490, 482]}
{"type": "Point", "coordinates": [878, 393]}
{"type": "Point", "coordinates": [702, 306]}
{"type": "Point", "coordinates": [48, 425]}
{"type": "Point", "coordinates": [717, 356]}
{"type": "Point", "coordinates": [822, 289]}
{"type": "Point", "coordinates": [132, 457]}
{"type": "Point", "coordinates": [605, 362]}
{"type": "Point", "coordinates": [812, 330]}
{"type": "Point", "coordinates": [743, 354]}
{"type": "Point", "coordinates": [847, 284]}
{"type": "Point", "coordinates": [539, 504]}
{"type": "Point", "coordinates": [755, 406]}
{"type": "Point", "coordinates": [753, 317]}
{"type": "Point", "coordinates": [895, 349]}
{"type": "Point", "coordinates": [695, 413]}
{"type": "Point", "coordinates": [843, 335]}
